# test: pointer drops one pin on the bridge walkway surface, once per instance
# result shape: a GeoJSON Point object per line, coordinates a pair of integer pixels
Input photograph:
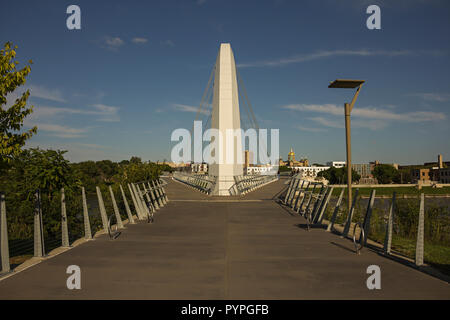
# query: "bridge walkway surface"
{"type": "Point", "coordinates": [203, 247]}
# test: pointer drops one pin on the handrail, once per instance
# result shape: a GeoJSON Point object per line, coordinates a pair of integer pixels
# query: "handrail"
{"type": "Point", "coordinates": [112, 228]}
{"type": "Point", "coordinates": [361, 238]}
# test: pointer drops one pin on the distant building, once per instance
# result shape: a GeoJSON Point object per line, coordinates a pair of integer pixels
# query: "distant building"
{"type": "Point", "coordinates": [199, 167]}
{"type": "Point", "coordinates": [336, 164]}
{"type": "Point", "coordinates": [310, 172]}
{"type": "Point", "coordinates": [422, 175]}
{"type": "Point", "coordinates": [436, 172]}
{"type": "Point", "coordinates": [261, 169]}
{"type": "Point", "coordinates": [291, 162]}
{"type": "Point", "coordinates": [444, 175]}
{"type": "Point", "coordinates": [364, 169]}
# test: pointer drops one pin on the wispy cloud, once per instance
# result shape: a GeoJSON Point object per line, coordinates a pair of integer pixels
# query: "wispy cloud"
{"type": "Point", "coordinates": [326, 54]}
{"type": "Point", "coordinates": [105, 113]}
{"type": "Point", "coordinates": [45, 93]}
{"type": "Point", "coordinates": [437, 97]}
{"type": "Point", "coordinates": [200, 2]}
{"type": "Point", "coordinates": [370, 113]}
{"type": "Point", "coordinates": [185, 108]}
{"type": "Point", "coordinates": [59, 130]}
{"type": "Point", "coordinates": [308, 129]}
{"type": "Point", "coordinates": [139, 40]}
{"type": "Point", "coordinates": [112, 43]}
{"type": "Point", "coordinates": [327, 122]}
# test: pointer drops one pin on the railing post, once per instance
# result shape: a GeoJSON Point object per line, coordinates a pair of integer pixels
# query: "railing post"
{"type": "Point", "coordinates": [300, 192]}
{"type": "Point", "coordinates": [116, 209]}
{"type": "Point", "coordinates": [148, 210]}
{"type": "Point", "coordinates": [101, 205]}
{"type": "Point", "coordinates": [39, 249]}
{"type": "Point", "coordinates": [64, 228]}
{"type": "Point", "coordinates": [152, 196]}
{"type": "Point", "coordinates": [162, 192]}
{"type": "Point", "coordinates": [350, 215]}
{"type": "Point", "coordinates": [324, 205]}
{"type": "Point", "coordinates": [294, 189]}
{"type": "Point", "coordinates": [366, 223]}
{"type": "Point", "coordinates": [158, 192]}
{"type": "Point", "coordinates": [389, 226]}
{"type": "Point", "coordinates": [145, 195]}
{"type": "Point", "coordinates": [4, 248]}
{"type": "Point", "coordinates": [299, 208]}
{"type": "Point", "coordinates": [142, 210]}
{"type": "Point", "coordinates": [127, 207]}
{"type": "Point", "coordinates": [135, 201]}
{"type": "Point", "coordinates": [87, 224]}
{"type": "Point", "coordinates": [420, 232]}
{"type": "Point", "coordinates": [335, 212]}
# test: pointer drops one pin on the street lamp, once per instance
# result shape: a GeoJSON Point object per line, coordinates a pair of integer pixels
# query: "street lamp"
{"type": "Point", "coordinates": [348, 84]}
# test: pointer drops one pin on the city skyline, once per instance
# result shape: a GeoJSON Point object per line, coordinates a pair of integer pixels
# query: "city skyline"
{"type": "Point", "coordinates": [119, 86]}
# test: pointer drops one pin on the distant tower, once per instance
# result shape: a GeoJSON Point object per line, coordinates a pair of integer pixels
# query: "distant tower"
{"type": "Point", "coordinates": [225, 115]}
{"type": "Point", "coordinates": [247, 159]}
{"type": "Point", "coordinates": [291, 156]}
{"type": "Point", "coordinates": [440, 161]}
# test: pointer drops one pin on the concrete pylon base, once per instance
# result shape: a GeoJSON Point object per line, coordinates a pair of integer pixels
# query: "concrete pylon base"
{"type": "Point", "coordinates": [223, 185]}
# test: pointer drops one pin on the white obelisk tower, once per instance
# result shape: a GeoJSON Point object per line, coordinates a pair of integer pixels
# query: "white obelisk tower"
{"type": "Point", "coordinates": [225, 117]}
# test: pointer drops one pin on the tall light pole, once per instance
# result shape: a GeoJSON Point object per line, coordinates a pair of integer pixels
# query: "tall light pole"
{"type": "Point", "coordinates": [349, 84]}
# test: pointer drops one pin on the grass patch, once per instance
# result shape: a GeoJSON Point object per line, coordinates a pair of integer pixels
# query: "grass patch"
{"type": "Point", "coordinates": [436, 255]}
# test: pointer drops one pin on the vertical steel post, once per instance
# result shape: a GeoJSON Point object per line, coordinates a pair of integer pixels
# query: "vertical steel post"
{"type": "Point", "coordinates": [348, 144]}
{"type": "Point", "coordinates": [101, 206]}
{"type": "Point", "coordinates": [127, 207]}
{"type": "Point", "coordinates": [87, 224]}
{"type": "Point", "coordinates": [420, 232]}
{"type": "Point", "coordinates": [389, 226]}
{"type": "Point", "coordinates": [4, 248]}
{"type": "Point", "coordinates": [39, 248]}
{"type": "Point", "coordinates": [64, 228]}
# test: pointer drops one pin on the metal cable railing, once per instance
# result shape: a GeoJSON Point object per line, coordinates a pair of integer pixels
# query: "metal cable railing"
{"type": "Point", "coordinates": [47, 233]}
{"type": "Point", "coordinates": [201, 182]}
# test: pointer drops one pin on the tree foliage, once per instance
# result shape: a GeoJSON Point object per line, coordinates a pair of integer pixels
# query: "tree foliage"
{"type": "Point", "coordinates": [386, 173]}
{"type": "Point", "coordinates": [338, 175]}
{"type": "Point", "coordinates": [11, 119]}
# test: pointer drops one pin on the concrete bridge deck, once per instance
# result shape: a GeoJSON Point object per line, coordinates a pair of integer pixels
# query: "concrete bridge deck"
{"type": "Point", "coordinates": [204, 247]}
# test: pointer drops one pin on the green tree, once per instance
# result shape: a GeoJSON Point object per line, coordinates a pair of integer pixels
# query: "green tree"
{"type": "Point", "coordinates": [338, 175]}
{"type": "Point", "coordinates": [11, 119]}
{"type": "Point", "coordinates": [46, 170]}
{"type": "Point", "coordinates": [135, 160]}
{"type": "Point", "coordinates": [386, 173]}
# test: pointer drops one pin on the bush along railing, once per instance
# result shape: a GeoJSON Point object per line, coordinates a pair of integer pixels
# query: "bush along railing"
{"type": "Point", "coordinates": [74, 221]}
{"type": "Point", "coordinates": [248, 183]}
{"type": "Point", "coordinates": [201, 182]}
{"type": "Point", "coordinates": [405, 227]}
{"type": "Point", "coordinates": [415, 228]}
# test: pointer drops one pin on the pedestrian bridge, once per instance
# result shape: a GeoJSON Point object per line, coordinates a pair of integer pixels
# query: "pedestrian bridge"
{"type": "Point", "coordinates": [211, 247]}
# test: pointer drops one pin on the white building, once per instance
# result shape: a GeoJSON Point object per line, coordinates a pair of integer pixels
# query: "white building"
{"type": "Point", "coordinates": [309, 171]}
{"type": "Point", "coordinates": [199, 167]}
{"type": "Point", "coordinates": [262, 170]}
{"type": "Point", "coordinates": [336, 164]}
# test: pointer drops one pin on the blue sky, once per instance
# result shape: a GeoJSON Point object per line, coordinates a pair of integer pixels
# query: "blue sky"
{"type": "Point", "coordinates": [119, 86]}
